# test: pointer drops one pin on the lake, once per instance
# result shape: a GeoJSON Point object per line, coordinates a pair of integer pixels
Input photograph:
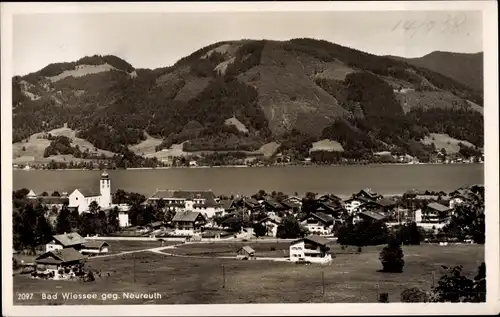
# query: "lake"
{"type": "Point", "coordinates": [339, 180]}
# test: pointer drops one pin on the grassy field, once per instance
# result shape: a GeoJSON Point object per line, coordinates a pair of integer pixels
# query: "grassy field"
{"type": "Point", "coordinates": [350, 278]}
{"type": "Point", "coordinates": [117, 246]}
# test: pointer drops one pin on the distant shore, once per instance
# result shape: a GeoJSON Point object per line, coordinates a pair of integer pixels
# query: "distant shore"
{"type": "Point", "coordinates": [245, 166]}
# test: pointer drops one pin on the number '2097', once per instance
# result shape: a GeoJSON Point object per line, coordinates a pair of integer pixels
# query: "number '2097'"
{"type": "Point", "coordinates": [24, 296]}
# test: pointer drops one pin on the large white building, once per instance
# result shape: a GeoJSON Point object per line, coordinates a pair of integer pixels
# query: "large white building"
{"type": "Point", "coordinates": [81, 199]}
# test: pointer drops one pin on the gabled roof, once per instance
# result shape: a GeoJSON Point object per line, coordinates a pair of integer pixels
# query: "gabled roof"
{"type": "Point", "coordinates": [362, 199]}
{"type": "Point", "coordinates": [272, 218]}
{"type": "Point", "coordinates": [321, 216]}
{"type": "Point", "coordinates": [273, 202]}
{"type": "Point", "coordinates": [60, 256]}
{"type": "Point", "coordinates": [53, 200]}
{"type": "Point", "coordinates": [94, 244]}
{"type": "Point", "coordinates": [251, 201]}
{"type": "Point", "coordinates": [89, 192]}
{"type": "Point", "coordinates": [226, 203]}
{"type": "Point", "coordinates": [186, 216]}
{"type": "Point", "coordinates": [69, 239]}
{"type": "Point", "coordinates": [183, 194]}
{"type": "Point", "coordinates": [372, 214]}
{"type": "Point", "coordinates": [247, 249]}
{"type": "Point", "coordinates": [369, 192]}
{"type": "Point", "coordinates": [155, 224]}
{"type": "Point", "coordinates": [330, 205]}
{"type": "Point", "coordinates": [319, 240]}
{"type": "Point", "coordinates": [31, 194]}
{"type": "Point", "coordinates": [438, 207]}
{"type": "Point", "coordinates": [386, 202]}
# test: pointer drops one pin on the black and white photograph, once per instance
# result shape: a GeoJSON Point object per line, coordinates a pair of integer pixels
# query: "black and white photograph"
{"type": "Point", "coordinates": [187, 155]}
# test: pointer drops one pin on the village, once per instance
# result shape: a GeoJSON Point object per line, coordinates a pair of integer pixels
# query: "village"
{"type": "Point", "coordinates": [272, 227]}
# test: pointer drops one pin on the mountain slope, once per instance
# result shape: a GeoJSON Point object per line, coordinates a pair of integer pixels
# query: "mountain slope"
{"type": "Point", "coordinates": [464, 68]}
{"type": "Point", "coordinates": [293, 92]}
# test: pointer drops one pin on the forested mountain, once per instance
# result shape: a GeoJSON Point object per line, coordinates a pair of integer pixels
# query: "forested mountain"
{"type": "Point", "coordinates": [294, 92]}
{"type": "Point", "coordinates": [464, 68]}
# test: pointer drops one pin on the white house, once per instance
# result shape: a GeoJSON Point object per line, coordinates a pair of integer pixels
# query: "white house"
{"type": "Point", "coordinates": [352, 205]}
{"type": "Point", "coordinates": [271, 223]}
{"type": "Point", "coordinates": [67, 240]}
{"type": "Point", "coordinates": [81, 198]}
{"type": "Point", "coordinates": [123, 219]}
{"type": "Point", "coordinates": [318, 223]}
{"type": "Point", "coordinates": [188, 200]}
{"type": "Point", "coordinates": [313, 249]}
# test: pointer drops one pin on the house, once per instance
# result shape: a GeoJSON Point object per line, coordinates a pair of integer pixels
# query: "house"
{"type": "Point", "coordinates": [251, 204]}
{"type": "Point", "coordinates": [433, 213]}
{"type": "Point", "coordinates": [31, 195]}
{"type": "Point", "coordinates": [155, 225]}
{"type": "Point", "coordinates": [54, 202]}
{"type": "Point", "coordinates": [60, 264]}
{"type": "Point", "coordinates": [271, 223]}
{"type": "Point", "coordinates": [368, 194]}
{"type": "Point", "coordinates": [95, 247]}
{"type": "Point", "coordinates": [312, 248]}
{"type": "Point", "coordinates": [352, 205]}
{"type": "Point", "coordinates": [188, 223]}
{"type": "Point", "coordinates": [331, 208]}
{"type": "Point", "coordinates": [368, 215]}
{"type": "Point", "coordinates": [319, 223]}
{"type": "Point", "coordinates": [246, 253]}
{"type": "Point", "coordinates": [387, 205]}
{"type": "Point", "coordinates": [292, 203]}
{"type": "Point", "coordinates": [67, 240]}
{"type": "Point", "coordinates": [82, 198]}
{"type": "Point", "coordinates": [461, 196]}
{"type": "Point", "coordinates": [203, 201]}
{"type": "Point", "coordinates": [273, 205]}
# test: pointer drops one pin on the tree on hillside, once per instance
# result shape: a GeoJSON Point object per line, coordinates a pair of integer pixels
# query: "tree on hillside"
{"type": "Point", "coordinates": [467, 221]}
{"type": "Point", "coordinates": [409, 234]}
{"type": "Point", "coordinates": [453, 286]}
{"type": "Point", "coordinates": [63, 221]}
{"type": "Point", "coordinates": [43, 230]}
{"type": "Point", "coordinates": [56, 194]}
{"type": "Point", "coordinates": [259, 229]}
{"type": "Point", "coordinates": [290, 228]}
{"type": "Point", "coordinates": [20, 194]}
{"type": "Point", "coordinates": [94, 208]}
{"type": "Point", "coordinates": [391, 257]}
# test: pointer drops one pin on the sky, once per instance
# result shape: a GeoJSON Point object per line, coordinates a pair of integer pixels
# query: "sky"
{"type": "Point", "coordinates": [151, 40]}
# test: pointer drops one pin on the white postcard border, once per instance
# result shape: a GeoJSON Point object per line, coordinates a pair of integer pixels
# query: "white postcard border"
{"type": "Point", "coordinates": [490, 40]}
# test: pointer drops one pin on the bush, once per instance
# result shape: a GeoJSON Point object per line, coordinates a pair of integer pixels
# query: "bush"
{"type": "Point", "coordinates": [383, 298]}
{"type": "Point", "coordinates": [392, 257]}
{"type": "Point", "coordinates": [414, 295]}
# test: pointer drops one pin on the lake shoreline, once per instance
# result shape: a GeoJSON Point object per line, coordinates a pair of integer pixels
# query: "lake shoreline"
{"type": "Point", "coordinates": [339, 180]}
{"type": "Point", "coordinates": [246, 166]}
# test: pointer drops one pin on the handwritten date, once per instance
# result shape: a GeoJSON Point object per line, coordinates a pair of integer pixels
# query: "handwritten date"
{"type": "Point", "coordinates": [452, 24]}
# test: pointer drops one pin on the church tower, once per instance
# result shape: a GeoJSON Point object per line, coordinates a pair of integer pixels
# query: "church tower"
{"type": "Point", "coordinates": [105, 187]}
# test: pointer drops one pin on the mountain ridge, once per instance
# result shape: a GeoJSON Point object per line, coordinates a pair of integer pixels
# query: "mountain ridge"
{"type": "Point", "coordinates": [293, 92]}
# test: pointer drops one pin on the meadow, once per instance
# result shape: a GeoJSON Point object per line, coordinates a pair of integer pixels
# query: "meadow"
{"type": "Point", "coordinates": [350, 278]}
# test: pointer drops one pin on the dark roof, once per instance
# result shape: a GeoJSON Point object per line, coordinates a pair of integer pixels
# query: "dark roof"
{"type": "Point", "coordinates": [372, 214]}
{"type": "Point", "coordinates": [226, 203]}
{"type": "Point", "coordinates": [330, 205]}
{"type": "Point", "coordinates": [272, 218]}
{"type": "Point", "coordinates": [69, 239]}
{"type": "Point", "coordinates": [274, 203]}
{"type": "Point", "coordinates": [155, 224]}
{"type": "Point", "coordinates": [363, 199]}
{"type": "Point", "coordinates": [438, 207]}
{"type": "Point", "coordinates": [368, 192]}
{"type": "Point", "coordinates": [314, 239]}
{"type": "Point", "coordinates": [386, 202]}
{"type": "Point", "coordinates": [89, 192]}
{"type": "Point", "coordinates": [53, 200]}
{"type": "Point", "coordinates": [251, 201]}
{"type": "Point", "coordinates": [60, 256]}
{"type": "Point", "coordinates": [321, 216]}
{"type": "Point", "coordinates": [247, 249]}
{"type": "Point", "coordinates": [184, 194]}
{"type": "Point", "coordinates": [94, 244]}
{"type": "Point", "coordinates": [186, 216]}
{"type": "Point", "coordinates": [290, 203]}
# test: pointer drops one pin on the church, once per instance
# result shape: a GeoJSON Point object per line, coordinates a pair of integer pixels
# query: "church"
{"type": "Point", "coordinates": [81, 199]}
